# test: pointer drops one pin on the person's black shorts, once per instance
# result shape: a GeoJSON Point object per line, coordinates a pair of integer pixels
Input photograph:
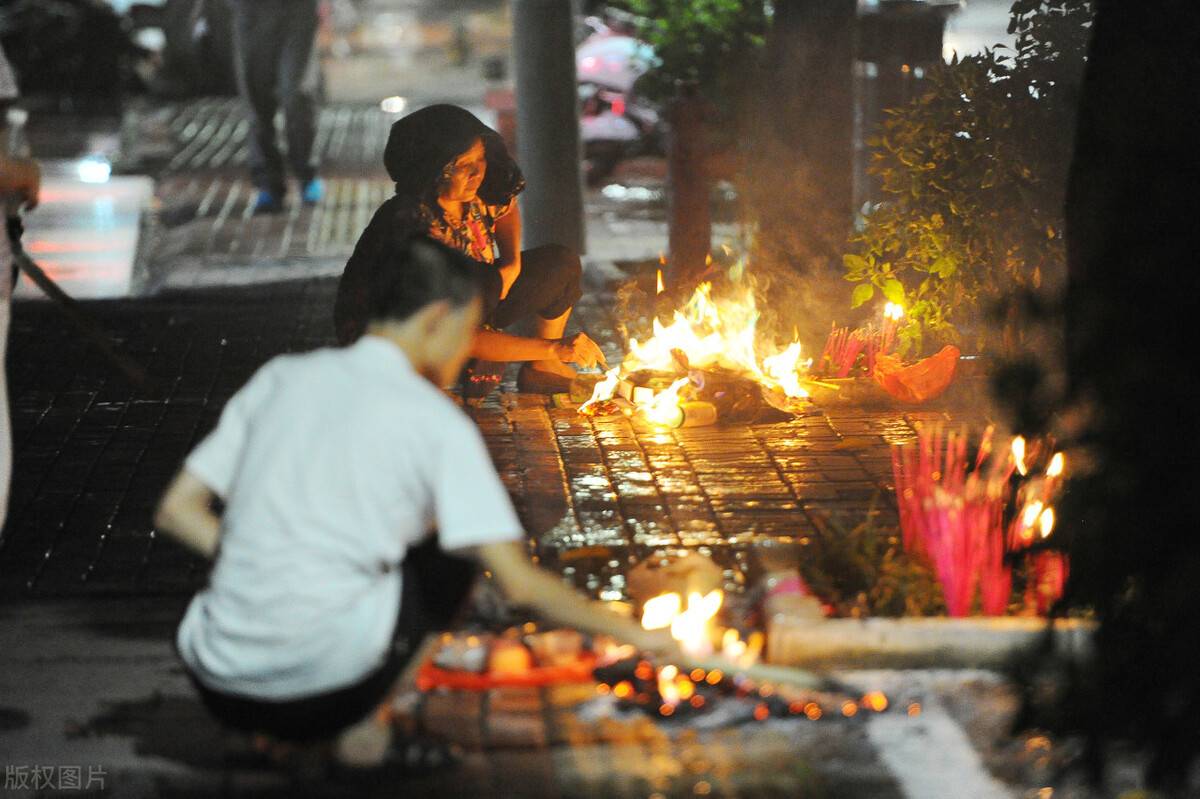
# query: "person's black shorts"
{"type": "Point", "coordinates": [435, 586]}
{"type": "Point", "coordinates": [311, 718]}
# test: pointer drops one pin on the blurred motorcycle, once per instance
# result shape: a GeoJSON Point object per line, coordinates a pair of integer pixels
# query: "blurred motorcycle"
{"type": "Point", "coordinates": [615, 121]}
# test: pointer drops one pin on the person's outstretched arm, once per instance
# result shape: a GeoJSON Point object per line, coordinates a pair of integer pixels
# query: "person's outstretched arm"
{"type": "Point", "coordinates": [185, 513]}
{"type": "Point", "coordinates": [525, 584]}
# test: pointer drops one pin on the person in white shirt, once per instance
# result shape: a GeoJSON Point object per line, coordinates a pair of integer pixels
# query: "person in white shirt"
{"type": "Point", "coordinates": [332, 465]}
{"type": "Point", "coordinates": [20, 183]}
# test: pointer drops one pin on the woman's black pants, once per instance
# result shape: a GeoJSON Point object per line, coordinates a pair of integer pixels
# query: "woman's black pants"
{"type": "Point", "coordinates": [549, 285]}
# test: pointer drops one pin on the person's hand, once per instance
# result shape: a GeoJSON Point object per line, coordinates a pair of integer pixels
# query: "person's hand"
{"type": "Point", "coordinates": [581, 350]}
{"type": "Point", "coordinates": [508, 276]}
{"type": "Point", "coordinates": [659, 645]}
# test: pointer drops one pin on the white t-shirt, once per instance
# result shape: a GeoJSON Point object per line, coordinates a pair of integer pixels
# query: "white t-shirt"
{"type": "Point", "coordinates": [331, 463]}
{"type": "Point", "coordinates": [8, 92]}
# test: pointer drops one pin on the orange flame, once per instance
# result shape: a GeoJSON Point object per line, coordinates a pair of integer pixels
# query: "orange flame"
{"type": "Point", "coordinates": [1018, 453]}
{"type": "Point", "coordinates": [1046, 522]}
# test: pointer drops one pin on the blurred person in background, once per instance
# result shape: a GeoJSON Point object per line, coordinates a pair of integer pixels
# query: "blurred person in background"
{"type": "Point", "coordinates": [277, 65]}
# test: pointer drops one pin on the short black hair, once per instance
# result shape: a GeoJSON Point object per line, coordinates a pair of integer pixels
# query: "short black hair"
{"type": "Point", "coordinates": [413, 271]}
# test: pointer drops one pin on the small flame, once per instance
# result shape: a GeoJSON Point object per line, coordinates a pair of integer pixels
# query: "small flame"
{"type": "Point", "coordinates": [744, 653]}
{"type": "Point", "coordinates": [893, 311]}
{"type": "Point", "coordinates": [1057, 464]}
{"type": "Point", "coordinates": [664, 408]}
{"type": "Point", "coordinates": [784, 369]}
{"type": "Point", "coordinates": [1018, 453]}
{"type": "Point", "coordinates": [1029, 518]}
{"type": "Point", "coordinates": [732, 646]}
{"type": "Point", "coordinates": [660, 283]}
{"type": "Point", "coordinates": [659, 612]}
{"type": "Point", "coordinates": [691, 628]}
{"type": "Point", "coordinates": [1046, 522]}
{"type": "Point", "coordinates": [604, 390]}
{"type": "Point", "coordinates": [666, 685]}
{"type": "Point", "coordinates": [1032, 511]}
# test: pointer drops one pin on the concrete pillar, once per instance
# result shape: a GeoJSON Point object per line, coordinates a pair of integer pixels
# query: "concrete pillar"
{"type": "Point", "coordinates": [548, 146]}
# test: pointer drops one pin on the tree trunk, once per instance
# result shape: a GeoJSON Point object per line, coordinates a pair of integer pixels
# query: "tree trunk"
{"type": "Point", "coordinates": [799, 175]}
{"type": "Point", "coordinates": [689, 215]}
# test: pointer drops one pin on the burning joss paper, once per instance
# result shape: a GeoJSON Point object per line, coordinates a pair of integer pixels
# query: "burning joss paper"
{"type": "Point", "coordinates": [709, 336]}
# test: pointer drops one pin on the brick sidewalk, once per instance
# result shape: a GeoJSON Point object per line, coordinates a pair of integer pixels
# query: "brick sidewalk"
{"type": "Point", "coordinates": [93, 455]}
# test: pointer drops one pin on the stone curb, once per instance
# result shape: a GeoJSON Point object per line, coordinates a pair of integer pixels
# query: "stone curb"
{"type": "Point", "coordinates": [920, 643]}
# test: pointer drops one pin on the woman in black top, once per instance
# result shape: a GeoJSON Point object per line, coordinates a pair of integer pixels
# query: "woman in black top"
{"type": "Point", "coordinates": [456, 182]}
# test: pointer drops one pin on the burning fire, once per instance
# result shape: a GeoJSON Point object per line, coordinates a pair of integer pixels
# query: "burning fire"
{"type": "Point", "coordinates": [707, 333]}
{"type": "Point", "coordinates": [694, 628]}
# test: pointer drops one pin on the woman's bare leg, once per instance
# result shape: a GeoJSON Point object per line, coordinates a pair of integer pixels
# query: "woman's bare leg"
{"type": "Point", "coordinates": [553, 329]}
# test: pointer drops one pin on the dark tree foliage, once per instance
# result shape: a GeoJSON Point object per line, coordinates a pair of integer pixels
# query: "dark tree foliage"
{"type": "Point", "coordinates": [707, 42]}
{"type": "Point", "coordinates": [1130, 517]}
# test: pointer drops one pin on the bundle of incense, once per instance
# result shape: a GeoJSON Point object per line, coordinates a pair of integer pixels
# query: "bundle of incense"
{"type": "Point", "coordinates": [842, 349]}
{"type": "Point", "coordinates": [879, 342]}
{"type": "Point", "coordinates": [953, 512]}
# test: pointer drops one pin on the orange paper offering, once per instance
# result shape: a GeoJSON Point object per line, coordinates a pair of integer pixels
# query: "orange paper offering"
{"type": "Point", "coordinates": [921, 381]}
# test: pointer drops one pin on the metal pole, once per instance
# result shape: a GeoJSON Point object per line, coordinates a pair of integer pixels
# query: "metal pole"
{"type": "Point", "coordinates": [548, 123]}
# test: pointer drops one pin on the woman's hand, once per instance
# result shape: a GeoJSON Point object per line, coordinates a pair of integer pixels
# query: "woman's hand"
{"type": "Point", "coordinates": [508, 275]}
{"type": "Point", "coordinates": [581, 350]}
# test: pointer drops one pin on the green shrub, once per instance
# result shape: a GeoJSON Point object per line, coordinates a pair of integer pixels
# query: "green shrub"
{"type": "Point", "coordinates": [973, 174]}
{"type": "Point", "coordinates": [863, 570]}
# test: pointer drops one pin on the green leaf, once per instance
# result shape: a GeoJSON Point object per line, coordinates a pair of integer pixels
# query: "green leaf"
{"type": "Point", "coordinates": [944, 267]}
{"type": "Point", "coordinates": [855, 263]}
{"type": "Point", "coordinates": [862, 294]}
{"type": "Point", "coordinates": [893, 289]}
